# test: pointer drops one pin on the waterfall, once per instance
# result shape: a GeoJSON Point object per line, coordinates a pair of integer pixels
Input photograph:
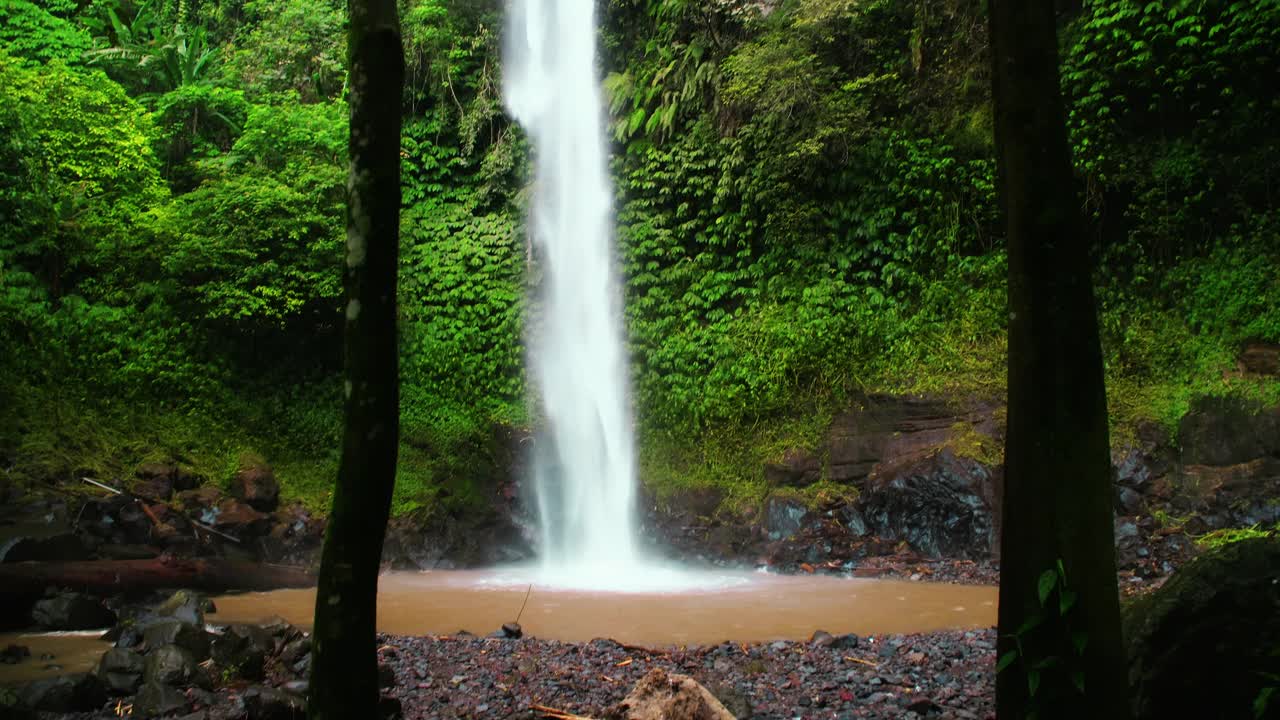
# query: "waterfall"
{"type": "Point", "coordinates": [584, 469]}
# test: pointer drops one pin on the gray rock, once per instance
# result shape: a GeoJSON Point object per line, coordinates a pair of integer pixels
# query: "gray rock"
{"type": "Point", "coordinates": [297, 687]}
{"type": "Point", "coordinates": [281, 630]}
{"type": "Point", "coordinates": [1223, 605]}
{"type": "Point", "coordinates": [169, 665]}
{"type": "Point", "coordinates": [821, 638]}
{"type": "Point", "coordinates": [258, 487]}
{"type": "Point", "coordinates": [192, 638]}
{"type": "Point", "coordinates": [1130, 501]}
{"type": "Point", "coordinates": [853, 521]}
{"type": "Point", "coordinates": [784, 516]}
{"type": "Point", "coordinates": [264, 703]}
{"type": "Point", "coordinates": [294, 651]}
{"type": "Point", "coordinates": [65, 547]}
{"type": "Point", "coordinates": [156, 700]}
{"type": "Point", "coordinates": [184, 605]}
{"type": "Point", "coordinates": [80, 692]}
{"type": "Point", "coordinates": [845, 642]}
{"type": "Point", "coordinates": [940, 504]}
{"type": "Point", "coordinates": [244, 649]}
{"type": "Point", "coordinates": [72, 611]}
{"type": "Point", "coordinates": [120, 671]}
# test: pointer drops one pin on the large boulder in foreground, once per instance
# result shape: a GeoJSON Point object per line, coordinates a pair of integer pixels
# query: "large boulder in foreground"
{"type": "Point", "coordinates": [663, 696]}
{"type": "Point", "coordinates": [1204, 644]}
{"type": "Point", "coordinates": [79, 692]}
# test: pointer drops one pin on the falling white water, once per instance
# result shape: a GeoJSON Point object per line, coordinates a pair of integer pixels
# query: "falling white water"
{"type": "Point", "coordinates": [585, 468]}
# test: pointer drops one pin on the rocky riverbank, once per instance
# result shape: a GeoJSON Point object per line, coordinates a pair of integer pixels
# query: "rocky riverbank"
{"type": "Point", "coordinates": [938, 675]}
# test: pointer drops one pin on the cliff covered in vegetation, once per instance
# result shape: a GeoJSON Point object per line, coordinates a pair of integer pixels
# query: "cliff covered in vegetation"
{"type": "Point", "coordinates": [805, 208]}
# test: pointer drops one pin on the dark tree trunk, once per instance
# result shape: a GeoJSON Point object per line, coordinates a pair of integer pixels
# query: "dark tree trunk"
{"type": "Point", "coordinates": [344, 673]}
{"type": "Point", "coordinates": [1063, 628]}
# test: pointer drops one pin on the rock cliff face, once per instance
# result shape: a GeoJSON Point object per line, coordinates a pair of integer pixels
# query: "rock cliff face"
{"type": "Point", "coordinates": [893, 477]}
{"type": "Point", "coordinates": [923, 480]}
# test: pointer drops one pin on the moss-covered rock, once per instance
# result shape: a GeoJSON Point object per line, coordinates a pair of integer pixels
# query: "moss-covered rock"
{"type": "Point", "coordinates": [1207, 643]}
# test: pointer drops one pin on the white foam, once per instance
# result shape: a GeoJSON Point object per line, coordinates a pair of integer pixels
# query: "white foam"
{"type": "Point", "coordinates": [641, 578]}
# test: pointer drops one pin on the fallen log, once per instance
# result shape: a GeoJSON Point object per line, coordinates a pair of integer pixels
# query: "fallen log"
{"type": "Point", "coordinates": [109, 577]}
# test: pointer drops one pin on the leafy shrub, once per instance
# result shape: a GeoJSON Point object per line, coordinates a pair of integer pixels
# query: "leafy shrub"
{"type": "Point", "coordinates": [28, 31]}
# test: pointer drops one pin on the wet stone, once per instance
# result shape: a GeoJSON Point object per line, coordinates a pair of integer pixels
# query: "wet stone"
{"type": "Point", "coordinates": [156, 700]}
{"type": "Point", "coordinates": [120, 671]}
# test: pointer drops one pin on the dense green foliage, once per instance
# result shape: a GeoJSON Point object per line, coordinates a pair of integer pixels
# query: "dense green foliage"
{"type": "Point", "coordinates": [806, 211]}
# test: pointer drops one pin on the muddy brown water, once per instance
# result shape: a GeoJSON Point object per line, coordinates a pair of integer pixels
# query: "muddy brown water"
{"type": "Point", "coordinates": [748, 607]}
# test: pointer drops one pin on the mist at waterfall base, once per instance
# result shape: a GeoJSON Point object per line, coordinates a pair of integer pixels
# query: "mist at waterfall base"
{"type": "Point", "coordinates": [584, 468]}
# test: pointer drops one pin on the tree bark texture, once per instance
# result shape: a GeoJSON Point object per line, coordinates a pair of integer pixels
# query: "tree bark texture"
{"type": "Point", "coordinates": [344, 682]}
{"type": "Point", "coordinates": [1063, 627]}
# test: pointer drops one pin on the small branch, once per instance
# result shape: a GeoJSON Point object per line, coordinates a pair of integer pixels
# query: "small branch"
{"type": "Point", "coordinates": [140, 500]}
{"type": "Point", "coordinates": [526, 602]}
{"type": "Point", "coordinates": [554, 714]}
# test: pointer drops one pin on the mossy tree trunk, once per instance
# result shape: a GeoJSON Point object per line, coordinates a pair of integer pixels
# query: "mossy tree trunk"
{"type": "Point", "coordinates": [1062, 628]}
{"type": "Point", "coordinates": [344, 673]}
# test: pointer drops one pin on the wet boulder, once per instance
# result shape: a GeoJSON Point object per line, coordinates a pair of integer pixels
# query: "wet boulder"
{"type": "Point", "coordinates": [155, 480]}
{"type": "Point", "coordinates": [63, 547]}
{"type": "Point", "coordinates": [157, 700]}
{"type": "Point", "coordinates": [1228, 431]}
{"type": "Point", "coordinates": [662, 696]}
{"type": "Point", "coordinates": [240, 519]}
{"type": "Point", "coordinates": [120, 671]}
{"type": "Point", "coordinates": [80, 692]}
{"type": "Point", "coordinates": [244, 650]}
{"type": "Point", "coordinates": [72, 611]}
{"type": "Point", "coordinates": [294, 651]}
{"type": "Point", "coordinates": [784, 516]}
{"type": "Point", "coordinates": [256, 485]}
{"type": "Point", "coordinates": [852, 521]}
{"type": "Point", "coordinates": [941, 504]}
{"type": "Point", "coordinates": [1204, 643]}
{"type": "Point", "coordinates": [265, 703]}
{"type": "Point", "coordinates": [824, 639]}
{"type": "Point", "coordinates": [170, 665]}
{"type": "Point", "coordinates": [184, 605]}
{"type": "Point", "coordinates": [201, 500]}
{"type": "Point", "coordinates": [188, 636]}
{"type": "Point", "coordinates": [281, 631]}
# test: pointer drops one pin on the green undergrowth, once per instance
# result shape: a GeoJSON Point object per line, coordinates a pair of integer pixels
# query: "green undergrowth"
{"type": "Point", "coordinates": [728, 458]}
{"type": "Point", "coordinates": [57, 435]}
{"type": "Point", "coordinates": [1227, 536]}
